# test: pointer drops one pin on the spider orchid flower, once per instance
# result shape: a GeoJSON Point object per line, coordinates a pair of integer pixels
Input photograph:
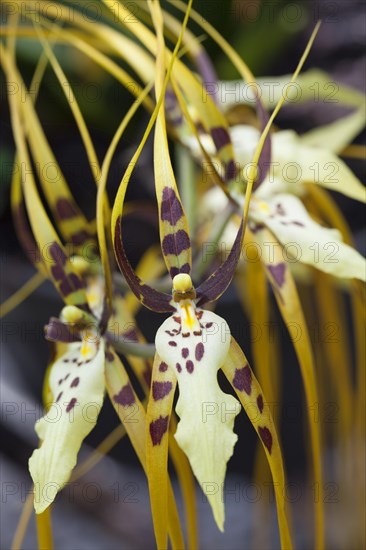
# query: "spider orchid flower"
{"type": "Point", "coordinates": [287, 164]}
{"type": "Point", "coordinates": [85, 363]}
{"type": "Point", "coordinates": [277, 203]}
{"type": "Point", "coordinates": [192, 344]}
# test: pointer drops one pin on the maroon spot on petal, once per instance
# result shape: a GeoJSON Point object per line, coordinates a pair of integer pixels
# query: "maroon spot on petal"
{"type": "Point", "coordinates": [175, 243]}
{"type": "Point", "coordinates": [266, 437]}
{"type": "Point", "coordinates": [60, 381]}
{"type": "Point", "coordinates": [66, 360]}
{"type": "Point", "coordinates": [255, 227]}
{"type": "Point", "coordinates": [298, 223]}
{"type": "Point", "coordinates": [209, 325]}
{"type": "Point", "coordinates": [185, 334]}
{"type": "Point", "coordinates": [172, 343]}
{"type": "Point", "coordinates": [278, 273]}
{"type": "Point", "coordinates": [173, 272]}
{"type": "Point", "coordinates": [161, 389]}
{"type": "Point", "coordinates": [163, 367]}
{"type": "Point", "coordinates": [109, 356]}
{"type": "Point", "coordinates": [199, 351]}
{"type": "Point", "coordinates": [185, 353]}
{"type": "Point", "coordinates": [75, 360]}
{"type": "Point", "coordinates": [170, 332]}
{"type": "Point", "coordinates": [131, 334]}
{"type": "Point", "coordinates": [190, 366]}
{"type": "Point", "coordinates": [75, 382]}
{"type": "Point", "coordinates": [185, 268]}
{"type": "Point", "coordinates": [280, 209]}
{"type": "Point", "coordinates": [125, 396]}
{"type": "Point", "coordinates": [243, 380]}
{"type": "Point", "coordinates": [158, 428]}
{"type": "Point", "coordinates": [71, 405]}
{"type": "Point", "coordinates": [57, 254]}
{"type": "Point", "coordinates": [230, 170]}
{"type": "Point", "coordinates": [178, 367]}
{"type": "Point", "coordinates": [177, 319]}
{"type": "Point", "coordinates": [65, 209]}
{"type": "Point", "coordinates": [199, 314]}
{"type": "Point", "coordinates": [147, 374]}
{"type": "Point", "coordinates": [220, 137]}
{"type": "Point", "coordinates": [80, 237]}
{"type": "Point", "coordinates": [66, 377]}
{"type": "Point", "coordinates": [260, 403]}
{"type": "Point", "coordinates": [65, 287]}
{"type": "Point", "coordinates": [197, 332]}
{"type": "Point", "coordinates": [171, 208]}
{"type": "Point", "coordinates": [76, 282]}
{"type": "Point", "coordinates": [59, 397]}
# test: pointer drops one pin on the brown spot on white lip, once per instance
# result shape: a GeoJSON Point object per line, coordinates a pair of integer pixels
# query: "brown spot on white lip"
{"type": "Point", "coordinates": [189, 366]}
{"type": "Point", "coordinates": [71, 405]}
{"type": "Point", "coordinates": [199, 351]}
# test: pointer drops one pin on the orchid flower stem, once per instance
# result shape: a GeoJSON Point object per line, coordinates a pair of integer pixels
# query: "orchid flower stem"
{"type": "Point", "coordinates": [44, 530]}
{"type": "Point", "coordinates": [128, 347]}
{"type": "Point", "coordinates": [21, 294]}
{"type": "Point", "coordinates": [21, 529]}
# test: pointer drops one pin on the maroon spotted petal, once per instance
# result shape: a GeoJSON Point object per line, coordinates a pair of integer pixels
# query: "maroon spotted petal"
{"type": "Point", "coordinates": [57, 331]}
{"type": "Point", "coordinates": [217, 283]}
{"type": "Point", "coordinates": [265, 156]}
{"type": "Point", "coordinates": [151, 298]}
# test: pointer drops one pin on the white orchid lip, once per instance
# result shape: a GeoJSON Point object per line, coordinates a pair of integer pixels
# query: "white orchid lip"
{"type": "Point", "coordinates": [194, 344]}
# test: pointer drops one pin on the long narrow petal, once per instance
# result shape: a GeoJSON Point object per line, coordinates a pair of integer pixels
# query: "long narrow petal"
{"type": "Point", "coordinates": [132, 414]}
{"type": "Point", "coordinates": [216, 284]}
{"type": "Point", "coordinates": [205, 431]}
{"type": "Point", "coordinates": [72, 223]}
{"type": "Point", "coordinates": [211, 117]}
{"type": "Point", "coordinates": [187, 484]}
{"type": "Point", "coordinates": [56, 262]}
{"type": "Point", "coordinates": [157, 423]}
{"type": "Point", "coordinates": [306, 241]}
{"type": "Point", "coordinates": [280, 278]}
{"type": "Point", "coordinates": [151, 298]}
{"type": "Point", "coordinates": [248, 390]}
{"type": "Point", "coordinates": [122, 325]}
{"type": "Point", "coordinates": [174, 235]}
{"type": "Point", "coordinates": [243, 69]}
{"type": "Point", "coordinates": [300, 162]}
{"type": "Point", "coordinates": [77, 384]}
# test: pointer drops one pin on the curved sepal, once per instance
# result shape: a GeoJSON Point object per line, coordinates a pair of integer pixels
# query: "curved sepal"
{"type": "Point", "coordinates": [248, 390]}
{"type": "Point", "coordinates": [132, 414]}
{"type": "Point", "coordinates": [309, 242]}
{"type": "Point", "coordinates": [151, 298]}
{"type": "Point", "coordinates": [158, 414]}
{"type": "Point", "coordinates": [76, 381]}
{"type": "Point", "coordinates": [205, 431]}
{"type": "Point", "coordinates": [216, 284]}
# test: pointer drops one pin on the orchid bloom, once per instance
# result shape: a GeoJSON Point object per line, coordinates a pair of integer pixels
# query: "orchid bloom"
{"type": "Point", "coordinates": [193, 343]}
{"type": "Point", "coordinates": [85, 364]}
{"type": "Point", "coordinates": [277, 204]}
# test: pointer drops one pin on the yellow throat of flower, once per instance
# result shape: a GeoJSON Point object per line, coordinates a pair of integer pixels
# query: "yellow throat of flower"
{"type": "Point", "coordinates": [184, 294]}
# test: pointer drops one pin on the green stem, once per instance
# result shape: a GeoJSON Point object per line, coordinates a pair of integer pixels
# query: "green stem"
{"type": "Point", "coordinates": [128, 347]}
